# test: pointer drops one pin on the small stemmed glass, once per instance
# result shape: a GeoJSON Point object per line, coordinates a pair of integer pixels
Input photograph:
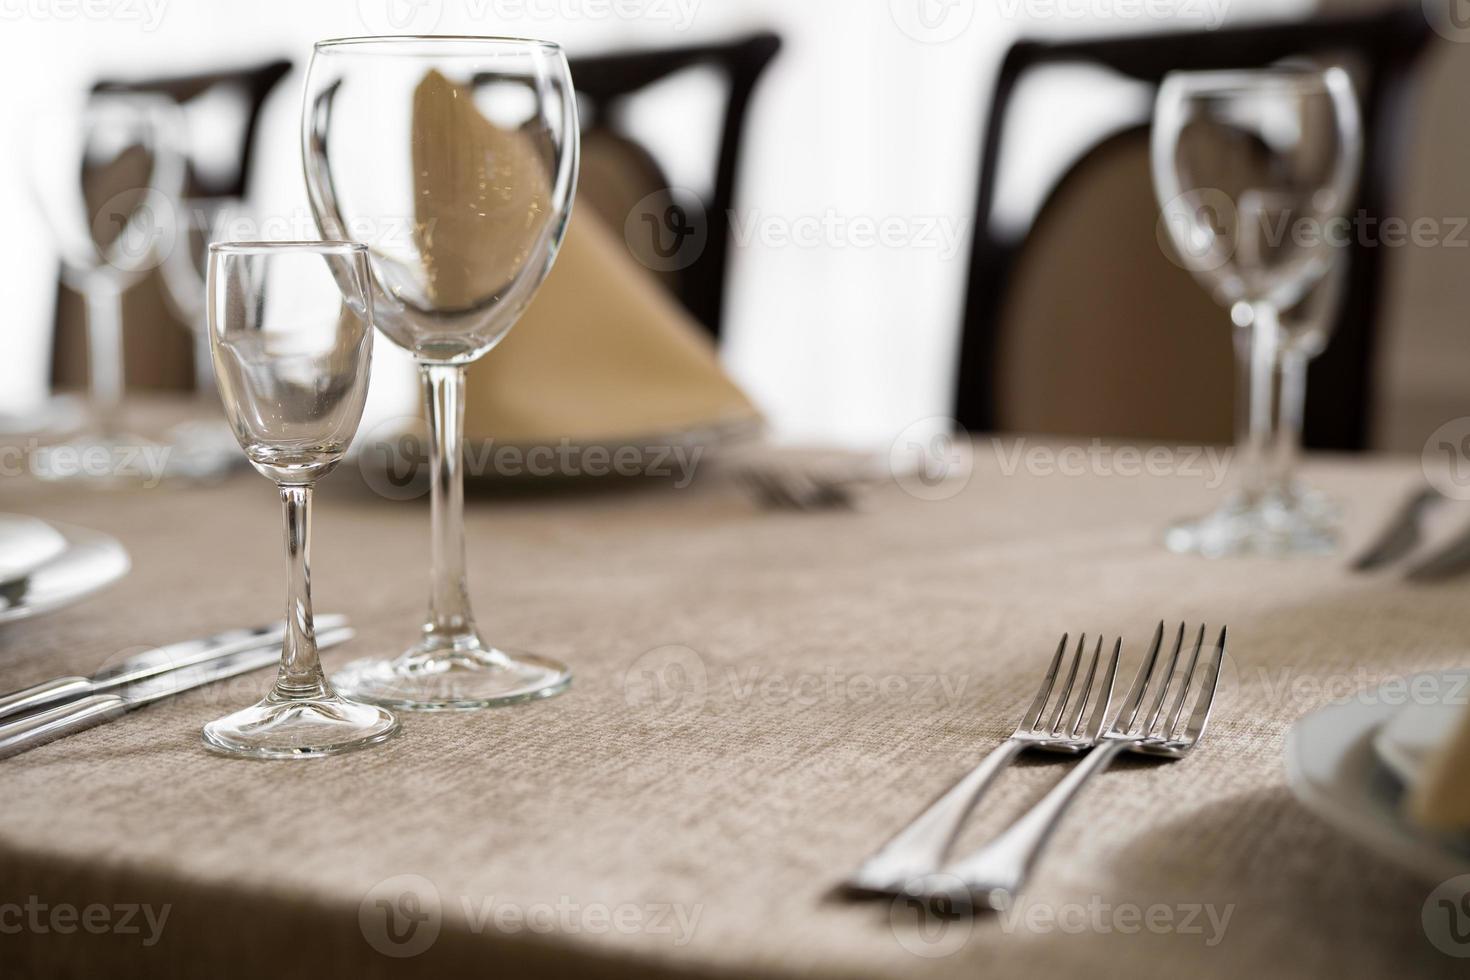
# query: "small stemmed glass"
{"type": "Point", "coordinates": [291, 333]}
{"type": "Point", "coordinates": [1251, 169]}
{"type": "Point", "coordinates": [455, 160]}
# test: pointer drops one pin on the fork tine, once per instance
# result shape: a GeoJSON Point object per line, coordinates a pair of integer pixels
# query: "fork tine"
{"type": "Point", "coordinates": [1140, 681]}
{"type": "Point", "coordinates": [1033, 713]}
{"type": "Point", "coordinates": [1056, 721]}
{"type": "Point", "coordinates": [1074, 724]}
{"type": "Point", "coordinates": [1151, 718]}
{"type": "Point", "coordinates": [1104, 694]}
{"type": "Point", "coordinates": [1201, 715]}
{"type": "Point", "coordinates": [1173, 722]}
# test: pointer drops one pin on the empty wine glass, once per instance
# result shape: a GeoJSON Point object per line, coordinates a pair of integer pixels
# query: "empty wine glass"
{"type": "Point", "coordinates": [1250, 167]}
{"type": "Point", "coordinates": [291, 333]}
{"type": "Point", "coordinates": [455, 160]}
{"type": "Point", "coordinates": [105, 175]}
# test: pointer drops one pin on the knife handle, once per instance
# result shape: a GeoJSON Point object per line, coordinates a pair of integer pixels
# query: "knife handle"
{"type": "Point", "coordinates": [38, 696]}
{"type": "Point", "coordinates": [42, 727]}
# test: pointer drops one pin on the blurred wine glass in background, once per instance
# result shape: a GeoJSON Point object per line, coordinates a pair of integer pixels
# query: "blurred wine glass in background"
{"type": "Point", "coordinates": [1250, 169]}
{"type": "Point", "coordinates": [106, 174]}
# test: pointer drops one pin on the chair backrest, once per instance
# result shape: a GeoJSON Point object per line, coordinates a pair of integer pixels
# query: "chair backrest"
{"type": "Point", "coordinates": [626, 185]}
{"type": "Point", "coordinates": [1095, 306]}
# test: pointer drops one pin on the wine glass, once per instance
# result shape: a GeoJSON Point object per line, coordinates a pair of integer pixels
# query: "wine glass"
{"type": "Point", "coordinates": [290, 328]}
{"type": "Point", "coordinates": [455, 160]}
{"type": "Point", "coordinates": [105, 176]}
{"type": "Point", "coordinates": [1250, 168]}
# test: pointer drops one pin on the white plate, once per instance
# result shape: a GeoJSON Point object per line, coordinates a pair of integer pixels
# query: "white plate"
{"type": "Point", "coordinates": [91, 560]}
{"type": "Point", "coordinates": [1409, 739]}
{"type": "Point", "coordinates": [25, 544]}
{"type": "Point", "coordinates": [1332, 769]}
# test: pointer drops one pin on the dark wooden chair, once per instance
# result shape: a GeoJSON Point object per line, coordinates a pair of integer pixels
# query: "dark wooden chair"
{"type": "Point", "coordinates": [1380, 48]}
{"type": "Point", "coordinates": [620, 174]}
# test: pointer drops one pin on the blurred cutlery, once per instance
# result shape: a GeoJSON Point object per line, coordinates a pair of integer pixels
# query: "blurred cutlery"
{"type": "Point", "coordinates": [1401, 535]}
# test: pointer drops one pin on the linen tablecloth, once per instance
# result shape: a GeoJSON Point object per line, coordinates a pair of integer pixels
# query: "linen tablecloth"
{"type": "Point", "coordinates": [760, 699]}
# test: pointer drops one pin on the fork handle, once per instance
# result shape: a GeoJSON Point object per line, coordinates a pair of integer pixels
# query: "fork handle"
{"type": "Point", "coordinates": [996, 873]}
{"type": "Point", "coordinates": [919, 848]}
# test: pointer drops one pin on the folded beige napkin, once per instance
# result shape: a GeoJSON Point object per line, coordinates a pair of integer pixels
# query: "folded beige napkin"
{"type": "Point", "coordinates": [603, 353]}
{"type": "Point", "coordinates": [1441, 800]}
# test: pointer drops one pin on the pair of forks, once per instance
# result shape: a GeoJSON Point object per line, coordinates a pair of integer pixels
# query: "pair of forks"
{"type": "Point", "coordinates": [1058, 720]}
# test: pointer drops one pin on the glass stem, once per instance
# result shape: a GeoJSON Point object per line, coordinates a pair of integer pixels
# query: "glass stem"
{"type": "Point", "coordinates": [1256, 345]}
{"type": "Point", "coordinates": [301, 674]}
{"type": "Point", "coordinates": [1289, 428]}
{"type": "Point", "coordinates": [449, 604]}
{"type": "Point", "coordinates": [104, 355]}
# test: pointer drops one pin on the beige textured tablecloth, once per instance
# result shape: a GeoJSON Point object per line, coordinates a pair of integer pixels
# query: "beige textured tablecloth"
{"type": "Point", "coordinates": [824, 675]}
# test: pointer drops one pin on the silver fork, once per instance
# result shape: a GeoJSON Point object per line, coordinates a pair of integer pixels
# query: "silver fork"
{"type": "Point", "coordinates": [919, 849]}
{"type": "Point", "coordinates": [996, 873]}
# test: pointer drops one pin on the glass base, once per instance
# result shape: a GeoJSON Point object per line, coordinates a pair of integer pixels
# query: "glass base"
{"type": "Point", "coordinates": [307, 728]}
{"type": "Point", "coordinates": [460, 675]}
{"type": "Point", "coordinates": [1302, 522]}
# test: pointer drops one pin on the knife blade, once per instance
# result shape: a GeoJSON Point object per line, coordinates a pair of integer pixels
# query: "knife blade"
{"type": "Point", "coordinates": [149, 663]}
{"type": "Point", "coordinates": [87, 712]}
{"type": "Point", "coordinates": [1401, 535]}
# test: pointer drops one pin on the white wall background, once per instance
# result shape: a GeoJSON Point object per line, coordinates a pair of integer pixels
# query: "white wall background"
{"type": "Point", "coordinates": [871, 112]}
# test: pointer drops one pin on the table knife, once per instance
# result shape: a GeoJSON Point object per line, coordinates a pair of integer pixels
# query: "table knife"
{"type": "Point", "coordinates": [1401, 535]}
{"type": "Point", "coordinates": [74, 716]}
{"type": "Point", "coordinates": [150, 663]}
